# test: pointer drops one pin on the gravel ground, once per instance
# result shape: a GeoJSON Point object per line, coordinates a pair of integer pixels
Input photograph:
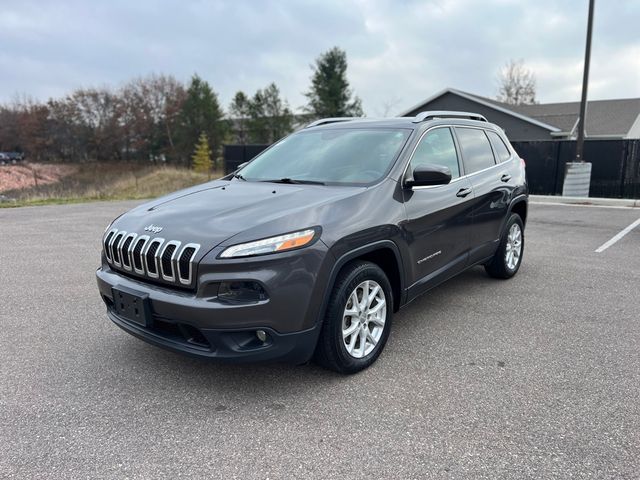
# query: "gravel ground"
{"type": "Point", "coordinates": [535, 377]}
{"type": "Point", "coordinates": [19, 176]}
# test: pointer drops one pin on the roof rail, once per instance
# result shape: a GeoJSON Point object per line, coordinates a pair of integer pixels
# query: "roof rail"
{"type": "Point", "coordinates": [423, 116]}
{"type": "Point", "coordinates": [325, 121]}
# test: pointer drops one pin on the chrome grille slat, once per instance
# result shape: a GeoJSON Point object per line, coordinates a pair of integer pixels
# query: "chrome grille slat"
{"type": "Point", "coordinates": [186, 280]}
{"type": "Point", "coordinates": [138, 254]}
{"type": "Point", "coordinates": [155, 258]}
{"type": "Point", "coordinates": [169, 263]}
{"type": "Point", "coordinates": [115, 245]}
{"type": "Point", "coordinates": [148, 252]}
{"type": "Point", "coordinates": [125, 250]}
{"type": "Point", "coordinates": [107, 243]}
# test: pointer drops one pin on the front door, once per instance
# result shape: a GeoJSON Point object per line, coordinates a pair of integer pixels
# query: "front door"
{"type": "Point", "coordinates": [438, 217]}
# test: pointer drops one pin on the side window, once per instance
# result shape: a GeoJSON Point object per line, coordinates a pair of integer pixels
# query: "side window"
{"type": "Point", "coordinates": [476, 150]}
{"type": "Point", "coordinates": [437, 148]}
{"type": "Point", "coordinates": [502, 152]}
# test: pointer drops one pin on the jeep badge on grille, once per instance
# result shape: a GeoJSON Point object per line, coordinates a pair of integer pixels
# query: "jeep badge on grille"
{"type": "Point", "coordinates": [153, 228]}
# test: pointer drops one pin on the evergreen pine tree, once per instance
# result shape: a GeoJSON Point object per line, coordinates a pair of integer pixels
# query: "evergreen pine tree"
{"type": "Point", "coordinates": [201, 112]}
{"type": "Point", "coordinates": [330, 95]}
{"type": "Point", "coordinates": [238, 114]}
{"type": "Point", "coordinates": [201, 158]}
{"type": "Point", "coordinates": [270, 118]}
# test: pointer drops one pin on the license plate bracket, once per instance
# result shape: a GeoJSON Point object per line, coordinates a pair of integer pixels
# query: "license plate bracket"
{"type": "Point", "coordinates": [132, 305]}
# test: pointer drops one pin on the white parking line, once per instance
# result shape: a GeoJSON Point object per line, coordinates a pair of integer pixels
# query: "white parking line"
{"type": "Point", "coordinates": [617, 237]}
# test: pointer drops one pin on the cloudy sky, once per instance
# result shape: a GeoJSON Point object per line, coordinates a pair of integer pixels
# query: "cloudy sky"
{"type": "Point", "coordinates": [399, 52]}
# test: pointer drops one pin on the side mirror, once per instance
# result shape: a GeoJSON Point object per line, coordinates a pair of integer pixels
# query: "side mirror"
{"type": "Point", "coordinates": [427, 175]}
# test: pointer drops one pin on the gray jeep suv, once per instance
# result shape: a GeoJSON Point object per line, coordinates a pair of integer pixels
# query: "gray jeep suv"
{"type": "Point", "coordinates": [309, 249]}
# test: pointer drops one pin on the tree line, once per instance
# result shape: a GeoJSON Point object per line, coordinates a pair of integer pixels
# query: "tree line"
{"type": "Point", "coordinates": [158, 118]}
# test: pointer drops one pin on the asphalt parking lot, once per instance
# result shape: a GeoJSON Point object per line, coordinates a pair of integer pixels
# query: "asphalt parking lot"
{"type": "Point", "coordinates": [536, 377]}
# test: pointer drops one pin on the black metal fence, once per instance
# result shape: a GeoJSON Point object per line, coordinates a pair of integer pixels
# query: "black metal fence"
{"type": "Point", "coordinates": [234, 155]}
{"type": "Point", "coordinates": [615, 164]}
{"type": "Point", "coordinates": [615, 170]}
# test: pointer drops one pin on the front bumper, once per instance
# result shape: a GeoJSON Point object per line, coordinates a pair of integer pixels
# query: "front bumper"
{"type": "Point", "coordinates": [230, 345]}
{"type": "Point", "coordinates": [198, 324]}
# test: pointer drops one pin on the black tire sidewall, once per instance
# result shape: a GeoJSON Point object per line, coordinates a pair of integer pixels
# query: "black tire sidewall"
{"type": "Point", "coordinates": [497, 267]}
{"type": "Point", "coordinates": [352, 276]}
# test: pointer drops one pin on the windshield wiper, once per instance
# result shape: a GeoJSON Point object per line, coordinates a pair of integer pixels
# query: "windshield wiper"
{"type": "Point", "coordinates": [239, 176]}
{"type": "Point", "coordinates": [294, 181]}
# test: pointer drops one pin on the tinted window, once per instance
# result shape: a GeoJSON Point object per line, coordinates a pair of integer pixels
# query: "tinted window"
{"type": "Point", "coordinates": [476, 151]}
{"type": "Point", "coordinates": [332, 156]}
{"type": "Point", "coordinates": [502, 152]}
{"type": "Point", "coordinates": [437, 148]}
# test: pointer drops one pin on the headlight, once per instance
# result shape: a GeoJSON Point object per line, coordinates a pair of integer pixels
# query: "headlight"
{"type": "Point", "coordinates": [280, 243]}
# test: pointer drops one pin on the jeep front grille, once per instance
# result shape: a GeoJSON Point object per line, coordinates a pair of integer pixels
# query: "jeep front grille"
{"type": "Point", "coordinates": [155, 258]}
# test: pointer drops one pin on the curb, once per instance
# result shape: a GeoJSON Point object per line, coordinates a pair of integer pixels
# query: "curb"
{"type": "Point", "coordinates": [606, 202]}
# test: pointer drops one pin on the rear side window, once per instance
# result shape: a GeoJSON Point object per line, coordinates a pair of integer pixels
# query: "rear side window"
{"type": "Point", "coordinates": [476, 150]}
{"type": "Point", "coordinates": [502, 152]}
{"type": "Point", "coordinates": [437, 148]}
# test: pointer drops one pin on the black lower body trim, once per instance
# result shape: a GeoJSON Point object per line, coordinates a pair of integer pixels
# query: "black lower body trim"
{"type": "Point", "coordinates": [224, 344]}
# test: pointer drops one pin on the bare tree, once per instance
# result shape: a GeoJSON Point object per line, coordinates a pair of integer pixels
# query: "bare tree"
{"type": "Point", "coordinates": [387, 106]}
{"type": "Point", "coordinates": [516, 84]}
{"type": "Point", "coordinates": [150, 110]}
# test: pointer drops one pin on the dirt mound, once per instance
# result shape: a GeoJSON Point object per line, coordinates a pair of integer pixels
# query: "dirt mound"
{"type": "Point", "coordinates": [15, 177]}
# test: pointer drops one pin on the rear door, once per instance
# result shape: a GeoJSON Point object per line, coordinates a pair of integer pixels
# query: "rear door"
{"type": "Point", "coordinates": [438, 217]}
{"type": "Point", "coordinates": [490, 187]}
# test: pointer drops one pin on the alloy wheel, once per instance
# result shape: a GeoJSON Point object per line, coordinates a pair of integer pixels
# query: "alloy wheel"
{"type": "Point", "coordinates": [514, 247]}
{"type": "Point", "coordinates": [363, 320]}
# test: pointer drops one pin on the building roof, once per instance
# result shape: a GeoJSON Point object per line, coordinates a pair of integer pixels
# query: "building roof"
{"type": "Point", "coordinates": [604, 117]}
{"type": "Point", "coordinates": [618, 118]}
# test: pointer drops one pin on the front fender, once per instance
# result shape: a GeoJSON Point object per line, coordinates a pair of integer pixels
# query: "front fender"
{"type": "Point", "coordinates": [346, 255]}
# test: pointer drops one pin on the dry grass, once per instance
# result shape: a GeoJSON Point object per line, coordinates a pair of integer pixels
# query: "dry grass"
{"type": "Point", "coordinates": [108, 182]}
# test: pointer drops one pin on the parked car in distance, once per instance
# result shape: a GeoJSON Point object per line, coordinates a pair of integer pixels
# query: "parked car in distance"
{"type": "Point", "coordinates": [10, 157]}
{"type": "Point", "coordinates": [309, 249]}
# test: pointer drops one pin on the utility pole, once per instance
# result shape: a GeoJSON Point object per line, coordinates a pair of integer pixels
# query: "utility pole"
{"type": "Point", "coordinates": [577, 177]}
{"type": "Point", "coordinates": [585, 85]}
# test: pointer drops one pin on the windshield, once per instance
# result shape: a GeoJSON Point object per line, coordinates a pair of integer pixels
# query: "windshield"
{"type": "Point", "coordinates": [349, 156]}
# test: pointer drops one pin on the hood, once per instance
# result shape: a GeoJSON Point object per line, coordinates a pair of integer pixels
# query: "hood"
{"type": "Point", "coordinates": [214, 212]}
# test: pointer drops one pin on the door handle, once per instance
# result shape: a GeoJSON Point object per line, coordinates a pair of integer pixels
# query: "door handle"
{"type": "Point", "coordinates": [463, 192]}
{"type": "Point", "coordinates": [505, 178]}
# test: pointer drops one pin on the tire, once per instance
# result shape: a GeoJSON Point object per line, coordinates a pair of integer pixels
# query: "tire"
{"type": "Point", "coordinates": [348, 354]}
{"type": "Point", "coordinates": [502, 265]}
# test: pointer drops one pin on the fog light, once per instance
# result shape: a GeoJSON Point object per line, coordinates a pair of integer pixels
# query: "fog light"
{"type": "Point", "coordinates": [241, 292]}
{"type": "Point", "coordinates": [262, 335]}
